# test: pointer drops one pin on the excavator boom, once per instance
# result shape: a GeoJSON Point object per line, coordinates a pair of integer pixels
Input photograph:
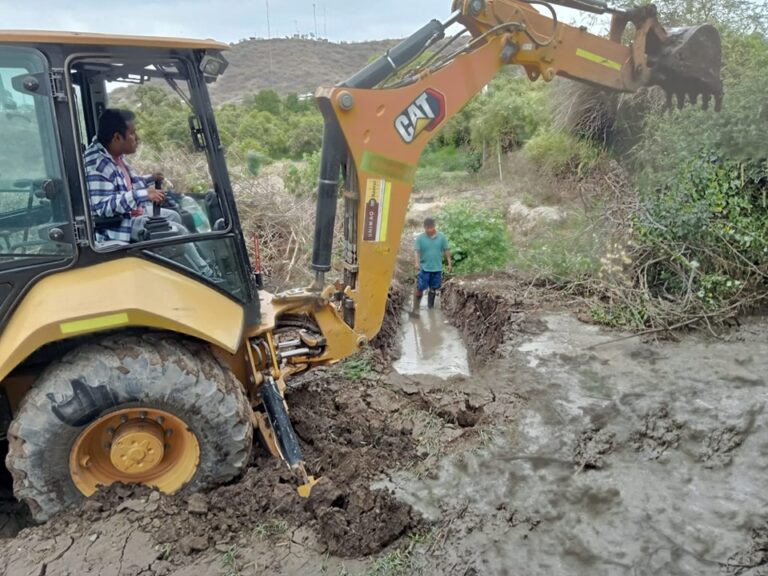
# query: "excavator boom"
{"type": "Point", "coordinates": [378, 122]}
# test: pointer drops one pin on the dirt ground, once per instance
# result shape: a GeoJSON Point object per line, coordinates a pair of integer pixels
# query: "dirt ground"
{"type": "Point", "coordinates": [566, 451]}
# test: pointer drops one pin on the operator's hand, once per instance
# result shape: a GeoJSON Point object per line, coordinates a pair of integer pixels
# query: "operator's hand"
{"type": "Point", "coordinates": [156, 196]}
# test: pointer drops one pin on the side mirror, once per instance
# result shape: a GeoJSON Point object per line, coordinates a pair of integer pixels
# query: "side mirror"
{"type": "Point", "coordinates": [33, 84]}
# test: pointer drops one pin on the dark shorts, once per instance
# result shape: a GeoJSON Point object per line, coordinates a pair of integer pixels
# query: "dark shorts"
{"type": "Point", "coordinates": [431, 280]}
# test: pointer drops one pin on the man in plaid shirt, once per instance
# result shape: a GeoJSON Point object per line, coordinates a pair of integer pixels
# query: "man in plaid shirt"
{"type": "Point", "coordinates": [116, 190]}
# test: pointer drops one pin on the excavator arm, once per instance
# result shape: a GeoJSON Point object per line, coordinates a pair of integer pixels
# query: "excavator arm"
{"type": "Point", "coordinates": [378, 122]}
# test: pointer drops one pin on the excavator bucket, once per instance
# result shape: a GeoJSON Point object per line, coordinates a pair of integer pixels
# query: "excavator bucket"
{"type": "Point", "coordinates": [687, 65]}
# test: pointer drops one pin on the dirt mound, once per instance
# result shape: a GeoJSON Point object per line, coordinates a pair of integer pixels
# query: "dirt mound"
{"type": "Point", "coordinates": [752, 560]}
{"type": "Point", "coordinates": [490, 310]}
{"type": "Point", "coordinates": [591, 447]}
{"type": "Point", "coordinates": [659, 433]}
{"type": "Point", "coordinates": [387, 341]}
{"type": "Point", "coordinates": [720, 445]}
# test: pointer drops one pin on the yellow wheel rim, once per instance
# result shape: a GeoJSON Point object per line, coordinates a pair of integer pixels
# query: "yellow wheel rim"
{"type": "Point", "coordinates": [135, 446]}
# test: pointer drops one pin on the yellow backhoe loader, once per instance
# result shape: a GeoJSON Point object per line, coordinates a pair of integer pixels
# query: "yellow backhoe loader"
{"type": "Point", "coordinates": [124, 361]}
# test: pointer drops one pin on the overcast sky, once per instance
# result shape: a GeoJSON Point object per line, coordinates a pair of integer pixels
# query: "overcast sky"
{"type": "Point", "coordinates": [227, 20]}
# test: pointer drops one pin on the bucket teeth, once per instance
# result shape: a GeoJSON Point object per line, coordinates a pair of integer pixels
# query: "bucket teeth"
{"type": "Point", "coordinates": [681, 99]}
{"type": "Point", "coordinates": [688, 66]}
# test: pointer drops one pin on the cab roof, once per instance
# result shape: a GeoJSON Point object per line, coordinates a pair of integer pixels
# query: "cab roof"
{"type": "Point", "coordinates": [70, 38]}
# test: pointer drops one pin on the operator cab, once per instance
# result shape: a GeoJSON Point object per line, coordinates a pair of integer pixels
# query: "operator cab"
{"type": "Point", "coordinates": [53, 88]}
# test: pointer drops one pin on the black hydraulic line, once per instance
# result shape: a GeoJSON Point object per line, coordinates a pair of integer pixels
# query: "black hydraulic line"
{"type": "Point", "coordinates": [281, 423]}
{"type": "Point", "coordinates": [399, 56]}
{"type": "Point", "coordinates": [333, 152]}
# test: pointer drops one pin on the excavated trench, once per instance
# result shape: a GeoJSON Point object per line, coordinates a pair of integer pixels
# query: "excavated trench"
{"type": "Point", "coordinates": [522, 441]}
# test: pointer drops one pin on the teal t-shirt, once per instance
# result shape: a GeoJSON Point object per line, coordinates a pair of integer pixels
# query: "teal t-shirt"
{"type": "Point", "coordinates": [431, 251]}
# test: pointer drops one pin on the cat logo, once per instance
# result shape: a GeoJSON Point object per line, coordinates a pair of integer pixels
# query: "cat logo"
{"type": "Point", "coordinates": [426, 113]}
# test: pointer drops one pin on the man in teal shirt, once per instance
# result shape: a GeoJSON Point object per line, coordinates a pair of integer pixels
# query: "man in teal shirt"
{"type": "Point", "coordinates": [430, 248]}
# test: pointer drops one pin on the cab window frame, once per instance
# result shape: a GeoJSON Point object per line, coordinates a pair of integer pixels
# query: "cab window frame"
{"type": "Point", "coordinates": [51, 156]}
{"type": "Point", "coordinates": [119, 56]}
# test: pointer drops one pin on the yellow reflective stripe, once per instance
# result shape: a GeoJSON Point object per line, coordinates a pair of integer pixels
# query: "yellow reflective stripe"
{"type": "Point", "coordinates": [386, 197]}
{"type": "Point", "coordinates": [91, 324]}
{"type": "Point", "coordinates": [592, 57]}
{"type": "Point", "coordinates": [389, 167]}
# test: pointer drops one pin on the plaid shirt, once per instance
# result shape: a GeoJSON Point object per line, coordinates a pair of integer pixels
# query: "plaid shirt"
{"type": "Point", "coordinates": [109, 192]}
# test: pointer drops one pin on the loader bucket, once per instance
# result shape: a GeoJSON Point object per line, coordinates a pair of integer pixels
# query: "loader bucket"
{"type": "Point", "coordinates": [687, 65]}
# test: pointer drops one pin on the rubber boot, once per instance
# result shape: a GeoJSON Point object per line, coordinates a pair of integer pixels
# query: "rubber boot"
{"type": "Point", "coordinates": [414, 313]}
{"type": "Point", "coordinates": [431, 299]}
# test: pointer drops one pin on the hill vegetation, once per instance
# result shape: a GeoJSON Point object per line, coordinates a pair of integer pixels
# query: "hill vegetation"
{"type": "Point", "coordinates": [291, 66]}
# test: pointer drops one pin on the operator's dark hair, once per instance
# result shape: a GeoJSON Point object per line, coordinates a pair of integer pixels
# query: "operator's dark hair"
{"type": "Point", "coordinates": [113, 121]}
{"type": "Point", "coordinates": [429, 222]}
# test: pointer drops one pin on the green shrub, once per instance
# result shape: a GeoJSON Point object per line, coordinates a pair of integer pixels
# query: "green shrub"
{"type": "Point", "coordinates": [556, 152]}
{"type": "Point", "coordinates": [445, 166]}
{"type": "Point", "coordinates": [254, 161]}
{"type": "Point", "coordinates": [305, 134]}
{"type": "Point", "coordinates": [478, 237]}
{"type": "Point", "coordinates": [301, 180]}
{"type": "Point", "coordinates": [560, 252]}
{"type": "Point", "coordinates": [448, 158]}
{"type": "Point", "coordinates": [509, 114]}
{"type": "Point", "coordinates": [706, 232]}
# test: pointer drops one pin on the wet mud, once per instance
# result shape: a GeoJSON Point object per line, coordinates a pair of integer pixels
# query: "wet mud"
{"type": "Point", "coordinates": [353, 433]}
{"type": "Point", "coordinates": [627, 457]}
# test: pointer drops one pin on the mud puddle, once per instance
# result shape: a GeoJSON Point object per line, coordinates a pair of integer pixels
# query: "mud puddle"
{"type": "Point", "coordinates": [627, 458]}
{"type": "Point", "coordinates": [431, 346]}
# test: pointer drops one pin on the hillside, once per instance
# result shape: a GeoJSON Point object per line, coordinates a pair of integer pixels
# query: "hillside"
{"type": "Point", "coordinates": [297, 65]}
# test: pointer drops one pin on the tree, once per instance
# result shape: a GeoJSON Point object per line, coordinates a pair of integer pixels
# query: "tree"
{"type": "Point", "coordinates": [265, 101]}
{"type": "Point", "coordinates": [510, 113]}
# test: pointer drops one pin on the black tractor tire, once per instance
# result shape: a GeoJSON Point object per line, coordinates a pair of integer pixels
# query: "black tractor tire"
{"type": "Point", "coordinates": [152, 370]}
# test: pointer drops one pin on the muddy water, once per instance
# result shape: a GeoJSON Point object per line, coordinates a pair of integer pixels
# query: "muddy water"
{"type": "Point", "coordinates": [629, 458]}
{"type": "Point", "coordinates": [431, 346]}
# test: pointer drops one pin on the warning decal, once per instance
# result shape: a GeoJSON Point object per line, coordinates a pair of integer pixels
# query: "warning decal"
{"type": "Point", "coordinates": [377, 197]}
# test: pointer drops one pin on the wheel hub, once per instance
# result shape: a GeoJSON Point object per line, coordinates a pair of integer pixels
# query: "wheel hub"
{"type": "Point", "coordinates": [137, 447]}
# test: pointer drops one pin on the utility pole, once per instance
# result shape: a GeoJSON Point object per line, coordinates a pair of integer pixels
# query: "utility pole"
{"type": "Point", "coordinates": [314, 12]}
{"type": "Point", "coordinates": [325, 23]}
{"type": "Point", "coordinates": [269, 43]}
{"type": "Point", "coordinates": [269, 29]}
